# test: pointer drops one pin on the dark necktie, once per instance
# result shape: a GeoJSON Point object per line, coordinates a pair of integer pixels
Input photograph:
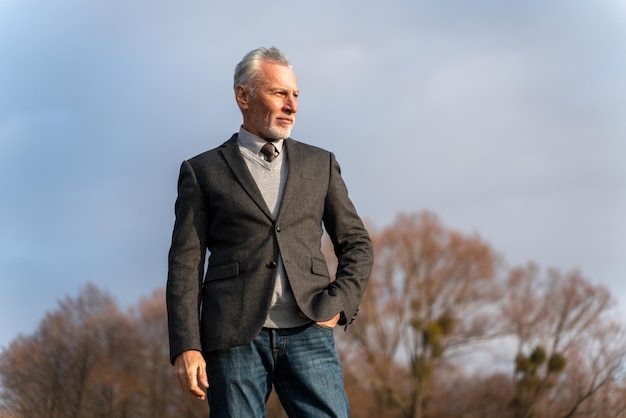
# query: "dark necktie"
{"type": "Point", "coordinates": [269, 152]}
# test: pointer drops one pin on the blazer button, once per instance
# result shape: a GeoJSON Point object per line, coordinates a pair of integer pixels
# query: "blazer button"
{"type": "Point", "coordinates": [272, 264]}
{"type": "Point", "coordinates": [332, 291]}
{"type": "Point", "coordinates": [278, 229]}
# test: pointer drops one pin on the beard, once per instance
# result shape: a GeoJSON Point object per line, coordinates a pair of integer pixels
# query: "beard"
{"type": "Point", "coordinates": [271, 130]}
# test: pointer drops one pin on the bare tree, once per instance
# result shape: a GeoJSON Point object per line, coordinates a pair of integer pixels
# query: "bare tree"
{"type": "Point", "coordinates": [568, 347]}
{"type": "Point", "coordinates": [47, 374]}
{"type": "Point", "coordinates": [430, 295]}
{"type": "Point", "coordinates": [88, 359]}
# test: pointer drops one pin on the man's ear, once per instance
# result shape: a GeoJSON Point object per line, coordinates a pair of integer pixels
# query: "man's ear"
{"type": "Point", "coordinates": [242, 97]}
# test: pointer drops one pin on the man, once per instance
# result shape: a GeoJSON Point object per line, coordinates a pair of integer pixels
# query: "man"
{"type": "Point", "coordinates": [262, 313]}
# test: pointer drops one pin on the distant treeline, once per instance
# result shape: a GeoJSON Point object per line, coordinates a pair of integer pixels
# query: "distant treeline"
{"type": "Point", "coordinates": [445, 330]}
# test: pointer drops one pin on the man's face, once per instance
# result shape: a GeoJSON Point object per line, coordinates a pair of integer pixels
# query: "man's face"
{"type": "Point", "coordinates": [270, 111]}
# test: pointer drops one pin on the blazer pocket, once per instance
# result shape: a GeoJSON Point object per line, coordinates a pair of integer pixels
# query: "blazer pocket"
{"type": "Point", "coordinates": [222, 271]}
{"type": "Point", "coordinates": [319, 267]}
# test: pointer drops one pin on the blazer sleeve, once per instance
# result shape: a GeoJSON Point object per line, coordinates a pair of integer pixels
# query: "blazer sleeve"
{"type": "Point", "coordinates": [186, 264]}
{"type": "Point", "coordinates": [352, 246]}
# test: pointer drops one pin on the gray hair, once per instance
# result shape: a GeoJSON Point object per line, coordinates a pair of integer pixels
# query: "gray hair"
{"type": "Point", "coordinates": [247, 70]}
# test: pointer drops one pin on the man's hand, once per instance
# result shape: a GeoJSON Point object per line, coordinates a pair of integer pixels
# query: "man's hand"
{"type": "Point", "coordinates": [331, 323]}
{"type": "Point", "coordinates": [191, 371]}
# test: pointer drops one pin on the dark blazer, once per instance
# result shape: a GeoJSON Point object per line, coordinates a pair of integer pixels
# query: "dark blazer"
{"type": "Point", "coordinates": [220, 209]}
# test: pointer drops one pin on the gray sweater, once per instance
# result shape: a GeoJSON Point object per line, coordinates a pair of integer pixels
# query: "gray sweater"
{"type": "Point", "coordinates": [271, 178]}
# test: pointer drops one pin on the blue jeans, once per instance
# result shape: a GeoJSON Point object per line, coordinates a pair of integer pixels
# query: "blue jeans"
{"type": "Point", "coordinates": [301, 363]}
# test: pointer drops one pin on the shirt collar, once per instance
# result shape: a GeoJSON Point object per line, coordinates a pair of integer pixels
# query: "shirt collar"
{"type": "Point", "coordinates": [253, 143]}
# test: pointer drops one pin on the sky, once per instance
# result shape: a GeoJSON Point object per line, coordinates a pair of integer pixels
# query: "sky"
{"type": "Point", "coordinates": [506, 119]}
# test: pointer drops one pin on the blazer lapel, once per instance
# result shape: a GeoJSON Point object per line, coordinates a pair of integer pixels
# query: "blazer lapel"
{"type": "Point", "coordinates": [232, 155]}
{"type": "Point", "coordinates": [292, 187]}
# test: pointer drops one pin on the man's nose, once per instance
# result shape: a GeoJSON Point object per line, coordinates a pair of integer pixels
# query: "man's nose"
{"type": "Point", "coordinates": [291, 104]}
